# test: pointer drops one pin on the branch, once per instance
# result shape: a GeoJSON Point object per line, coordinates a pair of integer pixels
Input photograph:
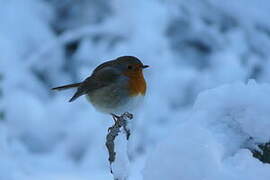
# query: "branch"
{"type": "Point", "coordinates": [120, 126]}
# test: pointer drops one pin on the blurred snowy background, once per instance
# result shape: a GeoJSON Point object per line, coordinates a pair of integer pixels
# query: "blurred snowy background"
{"type": "Point", "coordinates": [202, 116]}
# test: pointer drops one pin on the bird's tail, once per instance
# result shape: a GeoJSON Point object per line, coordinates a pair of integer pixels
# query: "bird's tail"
{"type": "Point", "coordinates": [67, 86]}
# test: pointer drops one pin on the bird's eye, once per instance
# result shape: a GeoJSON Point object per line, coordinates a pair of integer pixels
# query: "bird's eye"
{"type": "Point", "coordinates": [130, 67]}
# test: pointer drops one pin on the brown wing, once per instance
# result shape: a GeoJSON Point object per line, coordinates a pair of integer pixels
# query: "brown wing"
{"type": "Point", "coordinates": [104, 65]}
{"type": "Point", "coordinates": [100, 78]}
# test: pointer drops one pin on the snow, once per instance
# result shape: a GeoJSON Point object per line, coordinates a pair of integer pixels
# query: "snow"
{"type": "Point", "coordinates": [201, 115]}
{"type": "Point", "coordinates": [121, 165]}
{"type": "Point", "coordinates": [212, 144]}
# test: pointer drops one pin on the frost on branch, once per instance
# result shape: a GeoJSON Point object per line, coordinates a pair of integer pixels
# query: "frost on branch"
{"type": "Point", "coordinates": [263, 153]}
{"type": "Point", "coordinates": [117, 147]}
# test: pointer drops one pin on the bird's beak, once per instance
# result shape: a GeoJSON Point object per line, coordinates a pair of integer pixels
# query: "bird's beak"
{"type": "Point", "coordinates": [145, 66]}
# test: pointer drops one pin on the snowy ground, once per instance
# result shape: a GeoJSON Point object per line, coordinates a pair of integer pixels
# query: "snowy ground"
{"type": "Point", "coordinates": [201, 115]}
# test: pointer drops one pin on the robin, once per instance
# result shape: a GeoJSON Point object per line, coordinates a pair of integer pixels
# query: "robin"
{"type": "Point", "coordinates": [114, 87]}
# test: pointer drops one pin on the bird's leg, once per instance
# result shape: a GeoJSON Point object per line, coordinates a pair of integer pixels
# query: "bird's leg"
{"type": "Point", "coordinates": [115, 117]}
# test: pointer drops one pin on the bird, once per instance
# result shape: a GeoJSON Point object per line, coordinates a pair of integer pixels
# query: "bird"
{"type": "Point", "coordinates": [114, 87]}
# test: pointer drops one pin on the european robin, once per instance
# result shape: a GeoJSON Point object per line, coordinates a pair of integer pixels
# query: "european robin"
{"type": "Point", "coordinates": [114, 86]}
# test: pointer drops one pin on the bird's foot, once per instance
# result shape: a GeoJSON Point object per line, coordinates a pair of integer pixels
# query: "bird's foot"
{"type": "Point", "coordinates": [115, 117]}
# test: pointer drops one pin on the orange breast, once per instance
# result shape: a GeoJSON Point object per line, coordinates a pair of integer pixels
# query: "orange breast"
{"type": "Point", "coordinates": [136, 83]}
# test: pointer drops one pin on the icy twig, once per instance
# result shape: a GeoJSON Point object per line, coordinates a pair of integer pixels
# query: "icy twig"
{"type": "Point", "coordinates": [120, 126]}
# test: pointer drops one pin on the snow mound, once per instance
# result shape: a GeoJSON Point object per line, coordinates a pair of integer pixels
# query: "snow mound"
{"type": "Point", "coordinates": [213, 144]}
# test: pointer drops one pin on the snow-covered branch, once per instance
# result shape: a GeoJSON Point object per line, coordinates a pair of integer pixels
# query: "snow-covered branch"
{"type": "Point", "coordinates": [117, 147]}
